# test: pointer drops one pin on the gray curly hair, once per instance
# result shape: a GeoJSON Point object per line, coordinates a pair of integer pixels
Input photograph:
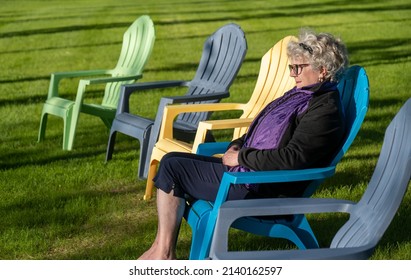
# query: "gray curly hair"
{"type": "Point", "coordinates": [321, 50]}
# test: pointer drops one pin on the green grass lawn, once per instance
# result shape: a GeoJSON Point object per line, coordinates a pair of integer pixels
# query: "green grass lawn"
{"type": "Point", "coordinates": [56, 204]}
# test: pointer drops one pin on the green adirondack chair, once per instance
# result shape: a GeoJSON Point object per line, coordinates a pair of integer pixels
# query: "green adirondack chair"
{"type": "Point", "coordinates": [138, 42]}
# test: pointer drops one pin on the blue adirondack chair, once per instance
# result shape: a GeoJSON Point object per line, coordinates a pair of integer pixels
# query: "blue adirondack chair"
{"type": "Point", "coordinates": [369, 217]}
{"type": "Point", "coordinates": [222, 56]}
{"type": "Point", "coordinates": [202, 215]}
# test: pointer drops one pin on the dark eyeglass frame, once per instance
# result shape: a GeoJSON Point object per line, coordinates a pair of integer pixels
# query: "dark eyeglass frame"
{"type": "Point", "coordinates": [297, 68]}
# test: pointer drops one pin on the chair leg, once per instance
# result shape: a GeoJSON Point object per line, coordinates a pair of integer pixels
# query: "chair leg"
{"type": "Point", "coordinates": [108, 121]}
{"type": "Point", "coordinates": [198, 221]}
{"type": "Point", "coordinates": [150, 185]}
{"type": "Point", "coordinates": [67, 132]}
{"type": "Point", "coordinates": [110, 145]}
{"type": "Point", "coordinates": [70, 125]}
{"type": "Point", "coordinates": [43, 125]}
{"type": "Point", "coordinates": [306, 235]}
{"type": "Point", "coordinates": [147, 162]}
{"type": "Point", "coordinates": [196, 243]}
{"type": "Point", "coordinates": [143, 155]}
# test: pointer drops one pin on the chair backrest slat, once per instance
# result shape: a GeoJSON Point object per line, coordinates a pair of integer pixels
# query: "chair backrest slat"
{"type": "Point", "coordinates": [138, 42]}
{"type": "Point", "coordinates": [222, 56]}
{"type": "Point", "coordinates": [272, 82]}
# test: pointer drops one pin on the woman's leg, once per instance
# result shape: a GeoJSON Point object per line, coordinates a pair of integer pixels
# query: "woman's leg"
{"type": "Point", "coordinates": [182, 174]}
{"type": "Point", "coordinates": [190, 174]}
{"type": "Point", "coordinates": [170, 210]}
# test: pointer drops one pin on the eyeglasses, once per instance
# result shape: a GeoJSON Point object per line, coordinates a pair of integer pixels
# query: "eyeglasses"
{"type": "Point", "coordinates": [297, 68]}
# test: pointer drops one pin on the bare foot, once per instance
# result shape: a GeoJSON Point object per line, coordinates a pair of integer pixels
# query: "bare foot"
{"type": "Point", "coordinates": [155, 254]}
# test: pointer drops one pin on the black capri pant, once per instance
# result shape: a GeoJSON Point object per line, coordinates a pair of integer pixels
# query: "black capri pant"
{"type": "Point", "coordinates": [199, 177]}
{"type": "Point", "coordinates": [195, 176]}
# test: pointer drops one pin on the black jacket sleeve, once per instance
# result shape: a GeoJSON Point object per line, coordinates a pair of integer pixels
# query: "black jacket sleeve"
{"type": "Point", "coordinates": [237, 142]}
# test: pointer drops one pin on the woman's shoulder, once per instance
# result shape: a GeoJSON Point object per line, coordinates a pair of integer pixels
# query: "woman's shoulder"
{"type": "Point", "coordinates": [331, 97]}
{"type": "Point", "coordinates": [327, 101]}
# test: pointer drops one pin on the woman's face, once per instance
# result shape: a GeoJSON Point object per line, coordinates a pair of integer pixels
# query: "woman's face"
{"type": "Point", "coordinates": [303, 73]}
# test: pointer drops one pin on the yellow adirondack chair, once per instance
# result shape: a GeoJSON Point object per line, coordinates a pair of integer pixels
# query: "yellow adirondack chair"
{"type": "Point", "coordinates": [272, 82]}
{"type": "Point", "coordinates": [138, 43]}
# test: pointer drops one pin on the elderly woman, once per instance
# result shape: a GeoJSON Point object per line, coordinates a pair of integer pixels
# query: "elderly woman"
{"type": "Point", "coordinates": [301, 129]}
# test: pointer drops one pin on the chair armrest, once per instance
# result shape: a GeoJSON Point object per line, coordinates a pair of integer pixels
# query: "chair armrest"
{"type": "Point", "coordinates": [226, 123]}
{"type": "Point", "coordinates": [279, 176]}
{"type": "Point", "coordinates": [170, 112]}
{"type": "Point", "coordinates": [276, 176]}
{"type": "Point", "coordinates": [195, 98]}
{"type": "Point", "coordinates": [113, 79]}
{"type": "Point", "coordinates": [212, 148]}
{"type": "Point", "coordinates": [232, 210]}
{"type": "Point", "coordinates": [57, 76]}
{"type": "Point", "coordinates": [155, 85]}
{"type": "Point", "coordinates": [283, 206]}
{"type": "Point", "coordinates": [165, 101]}
{"type": "Point", "coordinates": [127, 90]}
{"type": "Point", "coordinates": [81, 90]}
{"type": "Point", "coordinates": [83, 73]}
{"type": "Point", "coordinates": [205, 126]}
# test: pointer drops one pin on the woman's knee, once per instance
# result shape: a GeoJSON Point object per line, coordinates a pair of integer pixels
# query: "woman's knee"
{"type": "Point", "coordinates": [172, 155]}
{"type": "Point", "coordinates": [170, 160]}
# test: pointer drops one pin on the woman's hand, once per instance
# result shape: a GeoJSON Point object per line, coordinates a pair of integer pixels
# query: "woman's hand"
{"type": "Point", "coordinates": [230, 157]}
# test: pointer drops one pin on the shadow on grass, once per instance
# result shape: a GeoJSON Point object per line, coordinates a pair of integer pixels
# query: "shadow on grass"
{"type": "Point", "coordinates": [79, 224]}
{"type": "Point", "coordinates": [332, 7]}
{"type": "Point", "coordinates": [90, 142]}
{"type": "Point", "coordinates": [66, 46]}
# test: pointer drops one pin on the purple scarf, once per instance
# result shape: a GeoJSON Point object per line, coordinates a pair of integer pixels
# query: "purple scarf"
{"type": "Point", "coordinates": [268, 128]}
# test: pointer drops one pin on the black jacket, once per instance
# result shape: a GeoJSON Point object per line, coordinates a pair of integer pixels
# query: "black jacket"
{"type": "Point", "coordinates": [311, 139]}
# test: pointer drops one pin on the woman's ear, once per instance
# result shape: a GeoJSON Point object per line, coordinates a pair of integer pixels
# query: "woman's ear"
{"type": "Point", "coordinates": [323, 74]}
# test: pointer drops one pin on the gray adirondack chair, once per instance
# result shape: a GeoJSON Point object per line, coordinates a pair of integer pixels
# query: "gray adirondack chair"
{"type": "Point", "coordinates": [222, 56]}
{"type": "Point", "coordinates": [369, 218]}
